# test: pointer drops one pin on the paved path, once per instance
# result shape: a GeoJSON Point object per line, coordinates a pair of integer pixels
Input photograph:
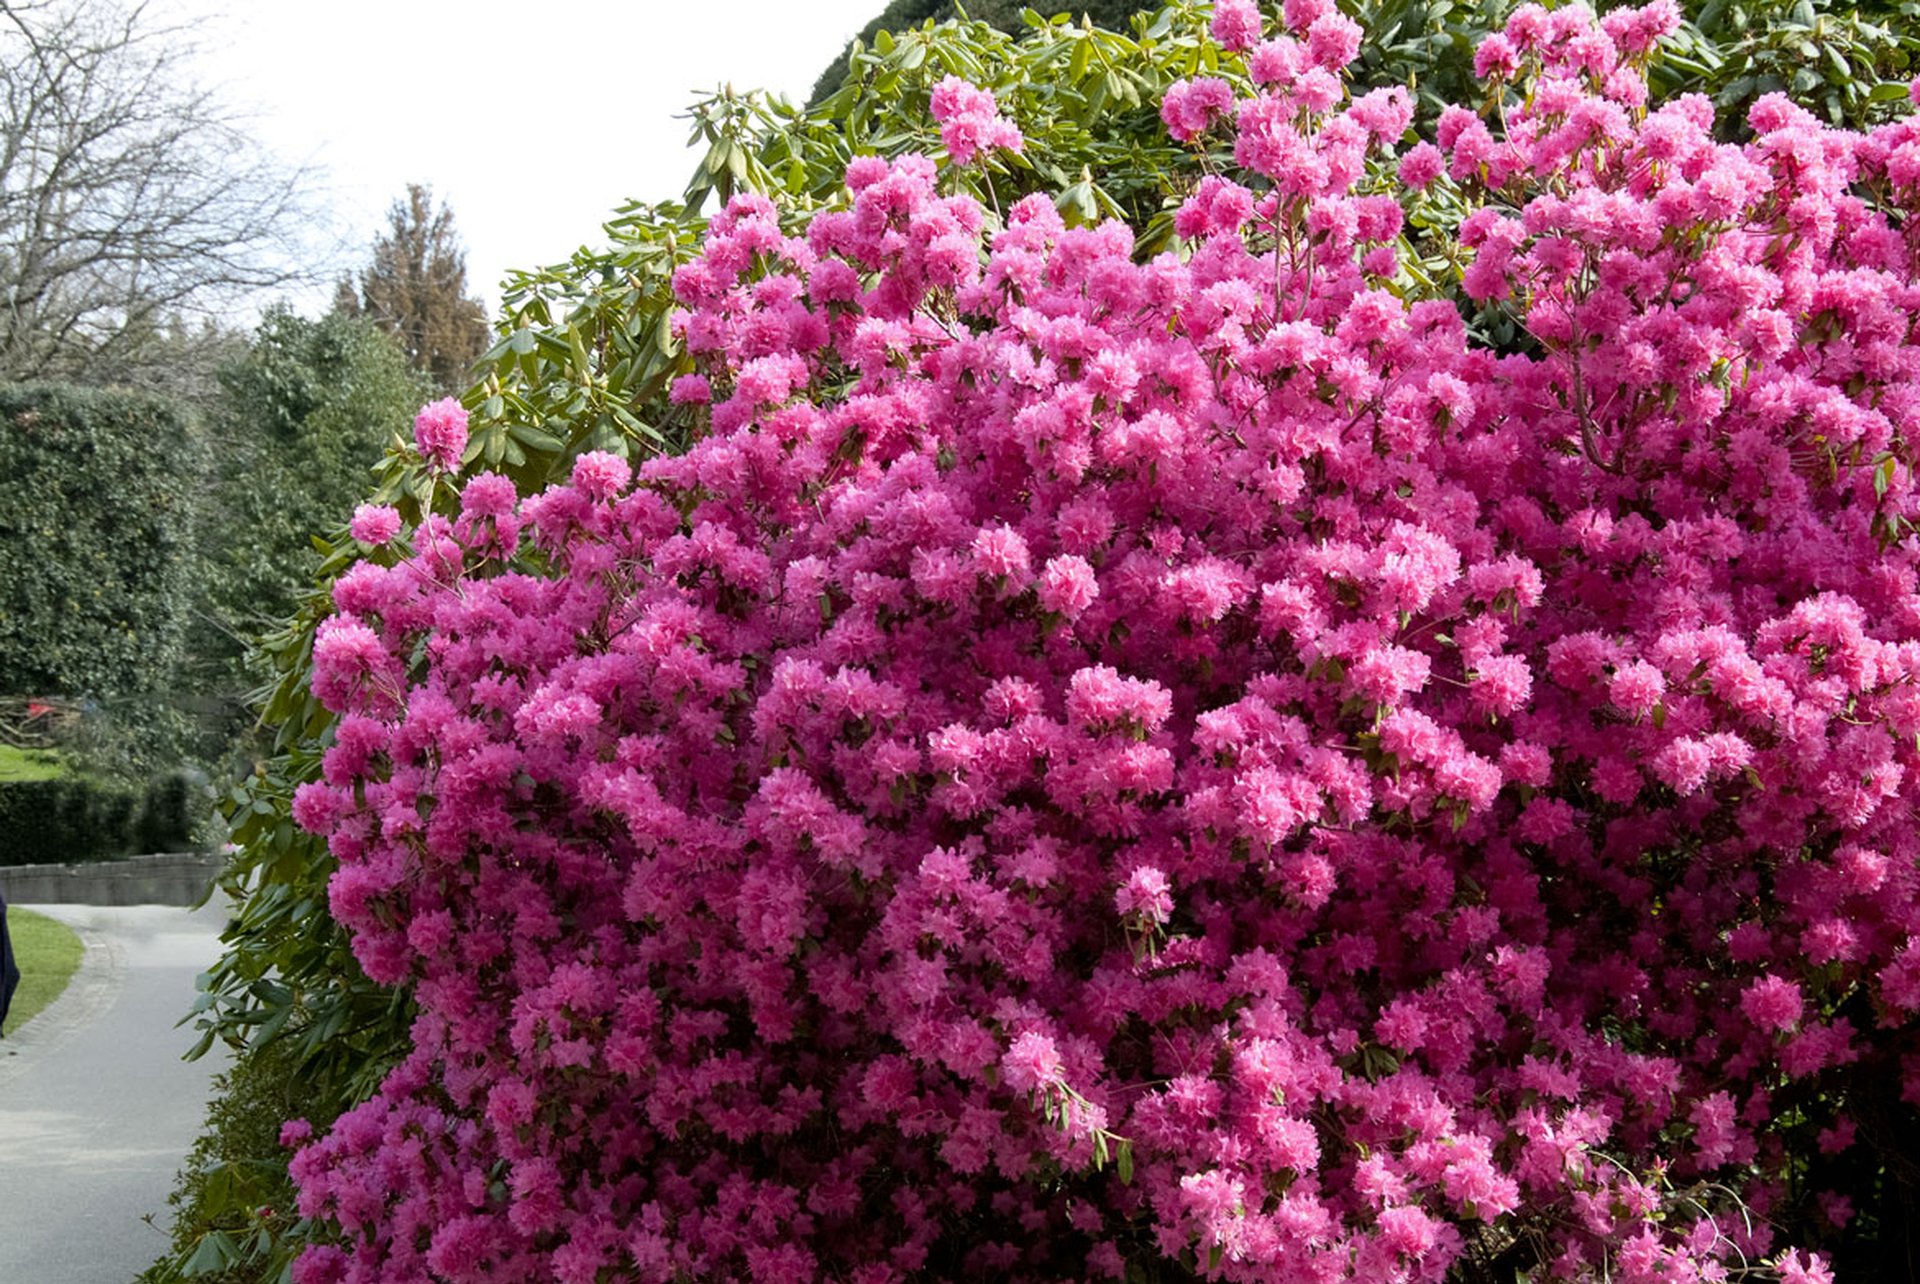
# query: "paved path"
{"type": "Point", "coordinates": [96, 1108]}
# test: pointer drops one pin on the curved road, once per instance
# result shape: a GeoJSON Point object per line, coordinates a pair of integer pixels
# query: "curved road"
{"type": "Point", "coordinates": [97, 1110]}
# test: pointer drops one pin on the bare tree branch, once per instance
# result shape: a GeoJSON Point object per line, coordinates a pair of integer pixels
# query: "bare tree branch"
{"type": "Point", "coordinates": [131, 200]}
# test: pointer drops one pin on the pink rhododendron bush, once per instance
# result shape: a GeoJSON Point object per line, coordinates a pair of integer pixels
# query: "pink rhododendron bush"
{"type": "Point", "coordinates": [1196, 768]}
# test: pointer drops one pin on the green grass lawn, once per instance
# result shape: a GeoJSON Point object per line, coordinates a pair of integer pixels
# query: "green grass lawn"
{"type": "Point", "coordinates": [29, 764]}
{"type": "Point", "coordinates": [47, 952]}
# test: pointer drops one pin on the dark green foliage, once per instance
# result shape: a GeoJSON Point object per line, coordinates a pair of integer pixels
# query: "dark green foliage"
{"type": "Point", "coordinates": [1115, 15]}
{"type": "Point", "coordinates": [172, 811]}
{"type": "Point", "coordinates": [96, 820]}
{"type": "Point", "coordinates": [71, 819]}
{"type": "Point", "coordinates": [97, 519]}
{"type": "Point", "coordinates": [308, 410]}
{"type": "Point", "coordinates": [96, 522]}
{"type": "Point", "coordinates": [233, 1202]}
{"type": "Point", "coordinates": [1831, 56]}
{"type": "Point", "coordinates": [29, 816]}
{"type": "Point", "coordinates": [1427, 44]}
{"type": "Point", "coordinates": [74, 818]}
{"type": "Point", "coordinates": [897, 16]}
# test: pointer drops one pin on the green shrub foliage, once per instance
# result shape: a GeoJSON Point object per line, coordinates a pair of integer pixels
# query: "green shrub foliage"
{"type": "Point", "coordinates": [96, 534]}
{"type": "Point", "coordinates": [171, 812]}
{"type": "Point", "coordinates": [74, 818]}
{"type": "Point", "coordinates": [302, 417]}
{"type": "Point", "coordinates": [85, 818]}
{"type": "Point", "coordinates": [1830, 55]}
{"type": "Point", "coordinates": [234, 1203]}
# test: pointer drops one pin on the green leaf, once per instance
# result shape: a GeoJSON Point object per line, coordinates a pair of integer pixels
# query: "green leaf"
{"type": "Point", "coordinates": [536, 438]}
{"type": "Point", "coordinates": [214, 1253]}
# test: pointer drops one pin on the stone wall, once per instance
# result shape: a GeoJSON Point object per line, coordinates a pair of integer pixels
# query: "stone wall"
{"type": "Point", "coordinates": [179, 878]}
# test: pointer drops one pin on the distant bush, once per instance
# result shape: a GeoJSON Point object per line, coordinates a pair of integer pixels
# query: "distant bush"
{"type": "Point", "coordinates": [304, 415]}
{"type": "Point", "coordinates": [83, 818]}
{"type": "Point", "coordinates": [97, 518]}
{"type": "Point", "coordinates": [170, 813]}
{"type": "Point", "coordinates": [68, 819]}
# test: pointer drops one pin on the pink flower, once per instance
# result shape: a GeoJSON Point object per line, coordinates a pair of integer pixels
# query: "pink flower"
{"type": "Point", "coordinates": [1068, 585]}
{"type": "Point", "coordinates": [1385, 114]}
{"type": "Point", "coordinates": [374, 523]}
{"type": "Point", "coordinates": [440, 432]}
{"type": "Point", "coordinates": [1496, 57]}
{"type": "Point", "coordinates": [1300, 15]}
{"type": "Point", "coordinates": [1385, 675]}
{"type": "Point", "coordinates": [970, 121]}
{"type": "Point", "coordinates": [1502, 684]}
{"type": "Point", "coordinates": [316, 807]}
{"type": "Point", "coordinates": [999, 552]}
{"type": "Point", "coordinates": [321, 1264]}
{"type": "Point", "coordinates": [1422, 164]}
{"type": "Point", "coordinates": [1636, 688]}
{"type": "Point", "coordinates": [488, 495]}
{"type": "Point", "coordinates": [601, 475]}
{"type": "Point", "coordinates": [1408, 1232]}
{"type": "Point", "coordinates": [1273, 61]}
{"type": "Point", "coordinates": [1146, 893]}
{"type": "Point", "coordinates": [1797, 1267]}
{"type": "Point", "coordinates": [1773, 1003]}
{"type": "Point", "coordinates": [1236, 23]}
{"type": "Point", "coordinates": [1683, 766]}
{"type": "Point", "coordinates": [1333, 40]}
{"type": "Point", "coordinates": [691, 390]}
{"type": "Point", "coordinates": [1031, 1063]}
{"type": "Point", "coordinates": [1190, 107]}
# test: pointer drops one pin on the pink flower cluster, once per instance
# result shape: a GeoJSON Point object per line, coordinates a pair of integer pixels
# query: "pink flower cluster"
{"type": "Point", "coordinates": [375, 523]}
{"type": "Point", "coordinates": [1503, 754]}
{"type": "Point", "coordinates": [970, 121]}
{"type": "Point", "coordinates": [440, 433]}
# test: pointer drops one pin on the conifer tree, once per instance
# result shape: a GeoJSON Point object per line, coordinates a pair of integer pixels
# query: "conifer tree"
{"type": "Point", "coordinates": [416, 290]}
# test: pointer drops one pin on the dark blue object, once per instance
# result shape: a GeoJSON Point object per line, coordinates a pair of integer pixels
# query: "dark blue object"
{"type": "Point", "coordinates": [9, 970]}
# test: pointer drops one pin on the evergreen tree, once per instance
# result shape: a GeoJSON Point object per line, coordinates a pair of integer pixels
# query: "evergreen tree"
{"type": "Point", "coordinates": [416, 290]}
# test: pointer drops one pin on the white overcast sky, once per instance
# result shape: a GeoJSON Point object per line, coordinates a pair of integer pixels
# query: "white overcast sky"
{"type": "Point", "coordinates": [531, 120]}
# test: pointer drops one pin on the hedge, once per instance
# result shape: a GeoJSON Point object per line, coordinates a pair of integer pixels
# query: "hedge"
{"type": "Point", "coordinates": [97, 515]}
{"type": "Point", "coordinates": [80, 818]}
